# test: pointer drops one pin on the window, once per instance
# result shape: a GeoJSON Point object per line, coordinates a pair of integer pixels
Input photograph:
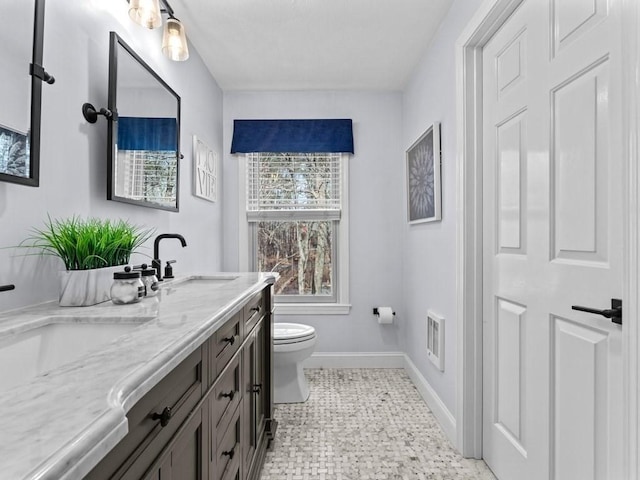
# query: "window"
{"type": "Point", "coordinates": [147, 175]}
{"type": "Point", "coordinates": [297, 224]}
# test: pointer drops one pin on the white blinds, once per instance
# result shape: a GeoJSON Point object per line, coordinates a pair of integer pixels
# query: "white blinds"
{"type": "Point", "coordinates": [293, 185]}
{"type": "Point", "coordinates": [145, 175]}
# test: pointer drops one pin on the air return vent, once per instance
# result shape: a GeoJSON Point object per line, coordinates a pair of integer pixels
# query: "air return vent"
{"type": "Point", "coordinates": [435, 339]}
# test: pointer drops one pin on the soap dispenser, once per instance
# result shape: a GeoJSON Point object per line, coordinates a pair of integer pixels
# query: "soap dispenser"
{"type": "Point", "coordinates": [168, 269]}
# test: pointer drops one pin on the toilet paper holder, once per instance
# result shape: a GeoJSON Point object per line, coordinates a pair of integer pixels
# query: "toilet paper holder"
{"type": "Point", "coordinates": [376, 312]}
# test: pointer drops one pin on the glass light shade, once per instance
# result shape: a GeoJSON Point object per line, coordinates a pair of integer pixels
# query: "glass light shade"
{"type": "Point", "coordinates": [145, 13]}
{"type": "Point", "coordinates": [174, 41]}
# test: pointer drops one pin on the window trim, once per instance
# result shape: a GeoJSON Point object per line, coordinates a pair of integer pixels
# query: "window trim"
{"type": "Point", "coordinates": [342, 305]}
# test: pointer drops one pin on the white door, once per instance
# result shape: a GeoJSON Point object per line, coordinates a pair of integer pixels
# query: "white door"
{"type": "Point", "coordinates": [552, 238]}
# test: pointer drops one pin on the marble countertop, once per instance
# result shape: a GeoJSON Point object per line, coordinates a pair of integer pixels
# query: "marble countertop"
{"type": "Point", "coordinates": [59, 425]}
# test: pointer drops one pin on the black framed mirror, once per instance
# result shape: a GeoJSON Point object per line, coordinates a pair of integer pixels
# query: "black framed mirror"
{"type": "Point", "coordinates": [144, 132]}
{"type": "Point", "coordinates": [21, 95]}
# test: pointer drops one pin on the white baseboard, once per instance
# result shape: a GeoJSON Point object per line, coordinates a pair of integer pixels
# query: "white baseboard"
{"type": "Point", "coordinates": [446, 420]}
{"type": "Point", "coordinates": [355, 360]}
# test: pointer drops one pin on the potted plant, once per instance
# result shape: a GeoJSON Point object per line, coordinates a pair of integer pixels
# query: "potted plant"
{"type": "Point", "coordinates": [91, 250]}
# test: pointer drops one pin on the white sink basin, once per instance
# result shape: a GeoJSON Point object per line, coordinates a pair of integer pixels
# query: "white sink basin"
{"type": "Point", "coordinates": [56, 341]}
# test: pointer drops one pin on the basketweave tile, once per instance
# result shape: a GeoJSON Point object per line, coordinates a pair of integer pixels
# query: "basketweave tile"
{"type": "Point", "coordinates": [364, 424]}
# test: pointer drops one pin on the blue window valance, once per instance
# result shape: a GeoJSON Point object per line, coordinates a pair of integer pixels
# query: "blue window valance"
{"type": "Point", "coordinates": [299, 136]}
{"type": "Point", "coordinates": [152, 134]}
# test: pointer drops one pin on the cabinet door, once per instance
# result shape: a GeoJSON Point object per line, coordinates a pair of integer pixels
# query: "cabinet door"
{"type": "Point", "coordinates": [254, 406]}
{"type": "Point", "coordinates": [185, 457]}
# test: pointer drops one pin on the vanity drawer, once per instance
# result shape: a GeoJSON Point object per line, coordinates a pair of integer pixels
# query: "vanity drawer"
{"type": "Point", "coordinates": [226, 342]}
{"type": "Point", "coordinates": [227, 453]}
{"type": "Point", "coordinates": [155, 419]}
{"type": "Point", "coordinates": [253, 311]}
{"type": "Point", "coordinates": [227, 396]}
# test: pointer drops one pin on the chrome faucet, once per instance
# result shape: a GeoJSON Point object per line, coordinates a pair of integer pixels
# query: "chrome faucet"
{"type": "Point", "coordinates": [157, 263]}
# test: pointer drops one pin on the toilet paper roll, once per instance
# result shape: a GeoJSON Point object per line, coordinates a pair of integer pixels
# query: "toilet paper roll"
{"type": "Point", "coordinates": [385, 315]}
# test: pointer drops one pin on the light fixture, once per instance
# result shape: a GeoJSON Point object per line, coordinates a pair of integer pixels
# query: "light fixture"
{"type": "Point", "coordinates": [148, 14]}
{"type": "Point", "coordinates": [174, 41]}
{"type": "Point", "coordinates": [145, 13]}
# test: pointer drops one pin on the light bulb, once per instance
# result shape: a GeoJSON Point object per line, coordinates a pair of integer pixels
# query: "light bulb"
{"type": "Point", "coordinates": [174, 41]}
{"type": "Point", "coordinates": [145, 13]}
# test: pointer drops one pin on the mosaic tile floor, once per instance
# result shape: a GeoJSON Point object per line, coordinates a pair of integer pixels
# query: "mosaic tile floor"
{"type": "Point", "coordinates": [364, 424]}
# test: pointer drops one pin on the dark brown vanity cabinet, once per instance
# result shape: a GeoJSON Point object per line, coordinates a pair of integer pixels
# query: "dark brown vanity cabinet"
{"type": "Point", "coordinates": [211, 417]}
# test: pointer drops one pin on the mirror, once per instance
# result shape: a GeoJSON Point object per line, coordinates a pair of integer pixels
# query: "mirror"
{"type": "Point", "coordinates": [144, 132]}
{"type": "Point", "coordinates": [21, 92]}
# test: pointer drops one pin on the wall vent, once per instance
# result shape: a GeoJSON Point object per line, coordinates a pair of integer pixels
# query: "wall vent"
{"type": "Point", "coordinates": [435, 339]}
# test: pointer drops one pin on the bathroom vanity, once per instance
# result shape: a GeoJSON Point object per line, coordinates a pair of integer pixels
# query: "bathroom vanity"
{"type": "Point", "coordinates": [185, 392]}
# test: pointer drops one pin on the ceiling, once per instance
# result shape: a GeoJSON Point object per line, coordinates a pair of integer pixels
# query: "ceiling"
{"type": "Point", "coordinates": [311, 44]}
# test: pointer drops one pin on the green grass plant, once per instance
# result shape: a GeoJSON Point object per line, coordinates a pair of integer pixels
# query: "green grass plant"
{"type": "Point", "coordinates": [84, 244]}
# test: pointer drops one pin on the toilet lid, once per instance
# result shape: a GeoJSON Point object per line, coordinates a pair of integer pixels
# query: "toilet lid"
{"type": "Point", "coordinates": [292, 331]}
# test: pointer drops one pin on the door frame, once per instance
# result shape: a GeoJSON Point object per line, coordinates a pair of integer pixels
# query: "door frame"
{"type": "Point", "coordinates": [489, 17]}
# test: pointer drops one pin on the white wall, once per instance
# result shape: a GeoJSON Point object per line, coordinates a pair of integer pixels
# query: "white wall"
{"type": "Point", "coordinates": [73, 152]}
{"type": "Point", "coordinates": [429, 281]}
{"type": "Point", "coordinates": [409, 267]}
{"type": "Point", "coordinates": [376, 205]}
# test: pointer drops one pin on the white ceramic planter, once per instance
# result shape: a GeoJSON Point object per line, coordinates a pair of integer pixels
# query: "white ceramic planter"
{"type": "Point", "coordinates": [82, 288]}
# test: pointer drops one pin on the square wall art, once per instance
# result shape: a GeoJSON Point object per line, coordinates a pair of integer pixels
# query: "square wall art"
{"type": "Point", "coordinates": [423, 178]}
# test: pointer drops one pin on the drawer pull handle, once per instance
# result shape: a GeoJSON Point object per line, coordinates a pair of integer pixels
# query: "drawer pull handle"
{"type": "Point", "coordinates": [164, 417]}
{"type": "Point", "coordinates": [255, 309]}
{"type": "Point", "coordinates": [229, 395]}
{"type": "Point", "coordinates": [229, 340]}
{"type": "Point", "coordinates": [257, 388]}
{"type": "Point", "coordinates": [229, 453]}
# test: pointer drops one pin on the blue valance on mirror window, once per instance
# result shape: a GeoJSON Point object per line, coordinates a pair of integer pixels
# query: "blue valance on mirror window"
{"type": "Point", "coordinates": [150, 134]}
{"type": "Point", "coordinates": [300, 136]}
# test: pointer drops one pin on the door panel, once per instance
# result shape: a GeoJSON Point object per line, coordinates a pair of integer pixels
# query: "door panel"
{"type": "Point", "coordinates": [510, 375]}
{"type": "Point", "coordinates": [580, 392]}
{"type": "Point", "coordinates": [573, 18]}
{"type": "Point", "coordinates": [511, 64]}
{"type": "Point", "coordinates": [580, 157]}
{"type": "Point", "coordinates": [512, 184]}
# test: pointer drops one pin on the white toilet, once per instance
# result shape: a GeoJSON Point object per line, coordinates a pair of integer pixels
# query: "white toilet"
{"type": "Point", "coordinates": [292, 344]}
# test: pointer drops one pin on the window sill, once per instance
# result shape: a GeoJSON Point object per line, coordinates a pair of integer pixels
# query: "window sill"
{"type": "Point", "coordinates": [312, 308]}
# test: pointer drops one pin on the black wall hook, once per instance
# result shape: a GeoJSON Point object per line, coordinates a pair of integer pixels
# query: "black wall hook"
{"type": "Point", "coordinates": [91, 114]}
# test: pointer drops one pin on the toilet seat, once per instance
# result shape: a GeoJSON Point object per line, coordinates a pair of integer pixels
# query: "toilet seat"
{"type": "Point", "coordinates": [289, 333]}
{"type": "Point", "coordinates": [288, 341]}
